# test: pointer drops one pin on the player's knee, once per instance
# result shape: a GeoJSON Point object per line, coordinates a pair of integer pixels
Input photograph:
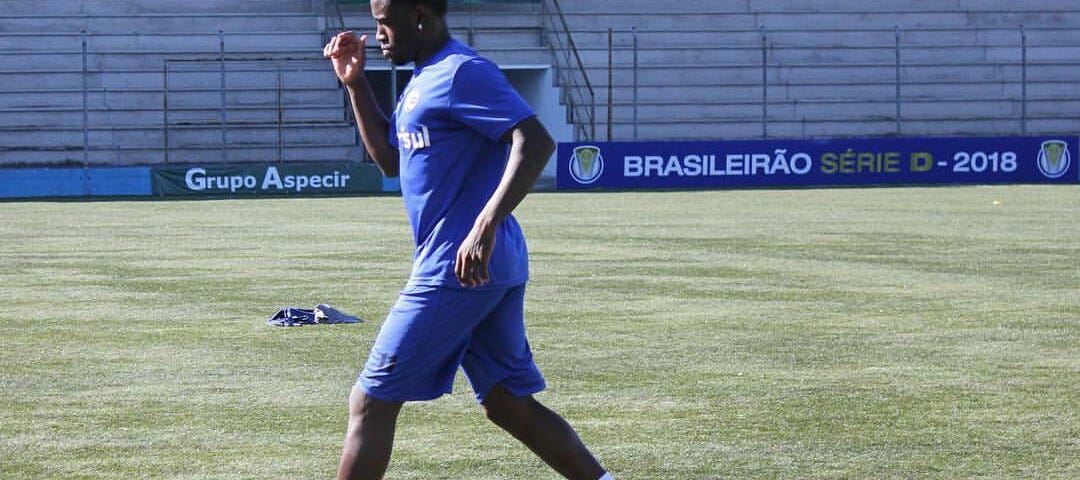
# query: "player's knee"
{"type": "Point", "coordinates": [505, 410]}
{"type": "Point", "coordinates": [500, 415]}
{"type": "Point", "coordinates": [362, 405]}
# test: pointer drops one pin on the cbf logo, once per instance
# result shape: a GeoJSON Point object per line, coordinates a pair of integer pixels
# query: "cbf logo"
{"type": "Point", "coordinates": [411, 100]}
{"type": "Point", "coordinates": [586, 165]}
{"type": "Point", "coordinates": [1054, 158]}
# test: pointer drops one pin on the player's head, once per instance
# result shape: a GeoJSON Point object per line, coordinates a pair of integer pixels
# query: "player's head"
{"type": "Point", "coordinates": [437, 6]}
{"type": "Point", "coordinates": [405, 27]}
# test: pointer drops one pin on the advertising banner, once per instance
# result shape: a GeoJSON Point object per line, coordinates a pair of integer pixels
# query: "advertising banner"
{"type": "Point", "coordinates": [266, 179]}
{"type": "Point", "coordinates": [829, 162]}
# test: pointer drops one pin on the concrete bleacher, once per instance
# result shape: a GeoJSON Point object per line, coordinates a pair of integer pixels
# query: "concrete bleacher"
{"type": "Point", "coordinates": [152, 88]}
{"type": "Point", "coordinates": [507, 33]}
{"type": "Point", "coordinates": [152, 84]}
{"type": "Point", "coordinates": [794, 69]}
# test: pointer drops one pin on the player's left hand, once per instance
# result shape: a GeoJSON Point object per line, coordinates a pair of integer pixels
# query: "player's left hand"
{"type": "Point", "coordinates": [474, 255]}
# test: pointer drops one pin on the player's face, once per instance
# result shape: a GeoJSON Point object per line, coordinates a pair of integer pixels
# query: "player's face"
{"type": "Point", "coordinates": [397, 30]}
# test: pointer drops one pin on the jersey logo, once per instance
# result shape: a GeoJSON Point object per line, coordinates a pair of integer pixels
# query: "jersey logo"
{"type": "Point", "coordinates": [411, 100]}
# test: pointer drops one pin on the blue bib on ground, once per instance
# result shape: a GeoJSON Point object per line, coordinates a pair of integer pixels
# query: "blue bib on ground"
{"type": "Point", "coordinates": [447, 128]}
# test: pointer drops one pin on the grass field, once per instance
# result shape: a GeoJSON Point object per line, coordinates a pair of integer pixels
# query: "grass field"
{"type": "Point", "coordinates": [854, 333]}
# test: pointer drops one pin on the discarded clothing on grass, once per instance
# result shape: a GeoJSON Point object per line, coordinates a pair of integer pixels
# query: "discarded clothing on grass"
{"type": "Point", "coordinates": [321, 314]}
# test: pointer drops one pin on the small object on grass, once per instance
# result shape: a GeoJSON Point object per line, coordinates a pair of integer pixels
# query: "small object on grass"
{"type": "Point", "coordinates": [326, 314]}
{"type": "Point", "coordinates": [322, 313]}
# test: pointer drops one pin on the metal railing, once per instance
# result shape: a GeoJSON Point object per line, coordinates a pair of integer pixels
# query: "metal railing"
{"type": "Point", "coordinates": [576, 89]}
{"type": "Point", "coordinates": [872, 81]}
{"type": "Point", "coordinates": [767, 83]}
{"type": "Point", "coordinates": [113, 105]}
{"type": "Point", "coordinates": [274, 71]}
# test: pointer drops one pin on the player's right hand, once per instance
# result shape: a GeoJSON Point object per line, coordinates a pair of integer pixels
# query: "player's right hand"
{"type": "Point", "coordinates": [346, 53]}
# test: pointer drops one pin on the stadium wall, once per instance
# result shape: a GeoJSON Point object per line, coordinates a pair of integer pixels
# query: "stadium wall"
{"type": "Point", "coordinates": [616, 165]}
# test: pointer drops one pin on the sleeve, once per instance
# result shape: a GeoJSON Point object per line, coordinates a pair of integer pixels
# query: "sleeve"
{"type": "Point", "coordinates": [483, 99]}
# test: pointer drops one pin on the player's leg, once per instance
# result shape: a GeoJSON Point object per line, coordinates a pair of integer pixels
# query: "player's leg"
{"type": "Point", "coordinates": [500, 367]}
{"type": "Point", "coordinates": [545, 432]}
{"type": "Point", "coordinates": [415, 357]}
{"type": "Point", "coordinates": [369, 438]}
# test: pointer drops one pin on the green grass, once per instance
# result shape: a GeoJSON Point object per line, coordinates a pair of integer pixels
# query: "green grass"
{"type": "Point", "coordinates": [852, 333]}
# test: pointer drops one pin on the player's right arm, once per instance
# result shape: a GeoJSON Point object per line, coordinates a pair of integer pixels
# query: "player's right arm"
{"type": "Point", "coordinates": [346, 52]}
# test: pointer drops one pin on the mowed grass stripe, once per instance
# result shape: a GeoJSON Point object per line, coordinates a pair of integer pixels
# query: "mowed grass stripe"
{"type": "Point", "coordinates": [848, 333]}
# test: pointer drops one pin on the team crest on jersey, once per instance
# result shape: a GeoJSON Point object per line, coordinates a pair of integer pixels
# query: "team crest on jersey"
{"type": "Point", "coordinates": [1054, 158]}
{"type": "Point", "coordinates": [411, 100]}
{"type": "Point", "coordinates": [586, 165]}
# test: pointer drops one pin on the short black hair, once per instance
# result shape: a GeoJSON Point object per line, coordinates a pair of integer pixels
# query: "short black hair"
{"type": "Point", "coordinates": [438, 6]}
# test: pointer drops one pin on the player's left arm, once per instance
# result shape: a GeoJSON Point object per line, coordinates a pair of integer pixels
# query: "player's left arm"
{"type": "Point", "coordinates": [530, 148]}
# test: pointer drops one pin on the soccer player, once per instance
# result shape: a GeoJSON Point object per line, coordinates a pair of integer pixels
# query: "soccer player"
{"type": "Point", "coordinates": [467, 149]}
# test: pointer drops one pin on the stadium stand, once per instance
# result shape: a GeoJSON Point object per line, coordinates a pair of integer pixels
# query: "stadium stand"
{"type": "Point", "coordinates": [199, 80]}
{"type": "Point", "coordinates": [146, 79]}
{"type": "Point", "coordinates": [833, 68]}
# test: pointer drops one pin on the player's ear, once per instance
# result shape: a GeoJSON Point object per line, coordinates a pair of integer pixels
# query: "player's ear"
{"type": "Point", "coordinates": [423, 14]}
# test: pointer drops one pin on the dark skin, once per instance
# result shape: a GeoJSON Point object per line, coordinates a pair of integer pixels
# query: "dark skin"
{"type": "Point", "coordinates": [413, 33]}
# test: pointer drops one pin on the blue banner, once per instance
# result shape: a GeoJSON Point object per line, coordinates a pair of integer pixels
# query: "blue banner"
{"type": "Point", "coordinates": [74, 182]}
{"type": "Point", "coordinates": [829, 162]}
{"type": "Point", "coordinates": [213, 179]}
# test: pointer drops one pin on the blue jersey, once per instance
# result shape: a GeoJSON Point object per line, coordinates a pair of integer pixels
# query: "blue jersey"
{"type": "Point", "coordinates": [447, 129]}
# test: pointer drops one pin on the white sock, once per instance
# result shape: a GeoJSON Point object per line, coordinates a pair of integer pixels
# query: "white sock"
{"type": "Point", "coordinates": [607, 476]}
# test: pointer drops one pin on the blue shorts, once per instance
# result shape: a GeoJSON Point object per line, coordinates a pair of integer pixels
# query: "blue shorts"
{"type": "Point", "coordinates": [431, 331]}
